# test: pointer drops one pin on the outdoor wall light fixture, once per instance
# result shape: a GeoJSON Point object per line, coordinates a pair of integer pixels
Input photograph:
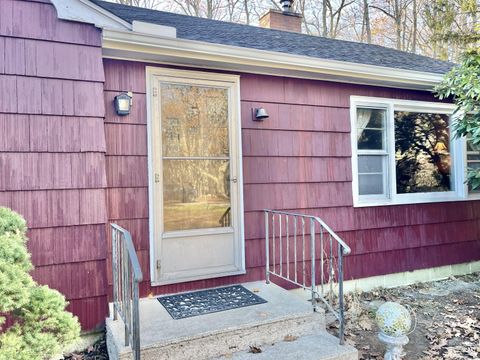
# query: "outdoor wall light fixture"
{"type": "Point", "coordinates": [260, 114]}
{"type": "Point", "coordinates": [123, 103]}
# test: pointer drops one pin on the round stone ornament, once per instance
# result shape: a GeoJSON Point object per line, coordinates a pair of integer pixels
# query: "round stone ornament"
{"type": "Point", "coordinates": [393, 319]}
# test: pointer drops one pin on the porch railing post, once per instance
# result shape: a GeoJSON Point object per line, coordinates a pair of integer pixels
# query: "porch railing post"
{"type": "Point", "coordinates": [327, 260]}
{"type": "Point", "coordinates": [267, 250]}
{"type": "Point", "coordinates": [312, 259]}
{"type": "Point", "coordinates": [114, 274]}
{"type": "Point", "coordinates": [340, 295]}
{"type": "Point", "coordinates": [126, 277]}
{"type": "Point", "coordinates": [136, 322]}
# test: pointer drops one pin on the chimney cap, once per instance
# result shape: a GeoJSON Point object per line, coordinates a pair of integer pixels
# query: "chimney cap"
{"type": "Point", "coordinates": [286, 5]}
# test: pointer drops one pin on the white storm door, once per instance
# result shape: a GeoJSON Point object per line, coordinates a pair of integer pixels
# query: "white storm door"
{"type": "Point", "coordinates": [196, 182]}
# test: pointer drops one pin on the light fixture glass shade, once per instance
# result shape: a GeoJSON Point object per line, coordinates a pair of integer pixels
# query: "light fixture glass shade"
{"type": "Point", "coordinates": [260, 114]}
{"type": "Point", "coordinates": [122, 104]}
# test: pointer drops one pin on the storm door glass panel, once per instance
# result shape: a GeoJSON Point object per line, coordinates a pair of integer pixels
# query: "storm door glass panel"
{"type": "Point", "coordinates": [195, 154]}
{"type": "Point", "coordinates": [422, 152]}
{"type": "Point", "coordinates": [371, 150]}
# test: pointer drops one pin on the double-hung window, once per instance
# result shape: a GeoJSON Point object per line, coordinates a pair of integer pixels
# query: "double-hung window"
{"type": "Point", "coordinates": [402, 152]}
{"type": "Point", "coordinates": [372, 151]}
{"type": "Point", "coordinates": [473, 160]}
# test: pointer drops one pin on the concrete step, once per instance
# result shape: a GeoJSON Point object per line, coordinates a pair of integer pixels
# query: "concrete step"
{"type": "Point", "coordinates": [213, 335]}
{"type": "Point", "coordinates": [321, 346]}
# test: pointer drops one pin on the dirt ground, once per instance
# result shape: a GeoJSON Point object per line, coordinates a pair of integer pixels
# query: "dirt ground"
{"type": "Point", "coordinates": [447, 319]}
{"type": "Point", "coordinates": [97, 351]}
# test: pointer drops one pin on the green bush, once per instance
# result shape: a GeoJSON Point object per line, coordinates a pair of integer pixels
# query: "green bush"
{"type": "Point", "coordinates": [462, 84]}
{"type": "Point", "coordinates": [11, 222]}
{"type": "Point", "coordinates": [41, 326]}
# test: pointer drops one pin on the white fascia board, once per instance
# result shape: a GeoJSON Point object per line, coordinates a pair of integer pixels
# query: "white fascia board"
{"type": "Point", "coordinates": [141, 47]}
{"type": "Point", "coordinates": [142, 27]}
{"type": "Point", "coordinates": [87, 12]}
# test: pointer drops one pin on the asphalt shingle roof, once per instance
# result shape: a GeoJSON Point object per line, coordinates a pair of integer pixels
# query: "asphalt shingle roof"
{"type": "Point", "coordinates": [221, 32]}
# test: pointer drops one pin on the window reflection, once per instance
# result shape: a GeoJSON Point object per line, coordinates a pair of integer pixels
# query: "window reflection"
{"type": "Point", "coordinates": [370, 128]}
{"type": "Point", "coordinates": [194, 120]}
{"type": "Point", "coordinates": [195, 152]}
{"type": "Point", "coordinates": [371, 150]}
{"type": "Point", "coordinates": [473, 159]}
{"type": "Point", "coordinates": [196, 194]}
{"type": "Point", "coordinates": [422, 152]}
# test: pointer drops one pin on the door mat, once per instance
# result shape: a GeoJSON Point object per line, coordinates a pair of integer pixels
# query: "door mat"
{"type": "Point", "coordinates": [196, 303]}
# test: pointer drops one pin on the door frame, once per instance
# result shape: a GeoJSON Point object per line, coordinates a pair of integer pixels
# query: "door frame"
{"type": "Point", "coordinates": [233, 82]}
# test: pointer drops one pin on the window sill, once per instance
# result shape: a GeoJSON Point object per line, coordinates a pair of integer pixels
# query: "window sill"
{"type": "Point", "coordinates": [410, 201]}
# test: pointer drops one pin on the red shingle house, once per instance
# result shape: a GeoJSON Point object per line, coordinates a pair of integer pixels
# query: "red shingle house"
{"type": "Point", "coordinates": [224, 120]}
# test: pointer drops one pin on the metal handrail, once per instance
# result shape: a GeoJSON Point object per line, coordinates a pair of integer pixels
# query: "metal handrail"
{"type": "Point", "coordinates": [225, 218]}
{"type": "Point", "coordinates": [303, 275]}
{"type": "Point", "coordinates": [127, 276]}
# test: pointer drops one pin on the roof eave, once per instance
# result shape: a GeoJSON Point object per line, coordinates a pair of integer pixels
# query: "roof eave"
{"type": "Point", "coordinates": [143, 47]}
{"type": "Point", "coordinates": [87, 12]}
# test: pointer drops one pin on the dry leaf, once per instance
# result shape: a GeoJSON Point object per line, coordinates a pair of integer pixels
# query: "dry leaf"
{"type": "Point", "coordinates": [254, 349]}
{"type": "Point", "coordinates": [447, 319]}
{"type": "Point", "coordinates": [290, 338]}
{"type": "Point", "coordinates": [365, 324]}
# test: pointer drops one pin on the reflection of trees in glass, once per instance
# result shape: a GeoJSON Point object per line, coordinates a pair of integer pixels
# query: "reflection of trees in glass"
{"type": "Point", "coordinates": [473, 160]}
{"type": "Point", "coordinates": [422, 153]}
{"type": "Point", "coordinates": [194, 120]}
{"type": "Point", "coordinates": [370, 128]}
{"type": "Point", "coordinates": [195, 151]}
{"type": "Point", "coordinates": [196, 193]}
{"type": "Point", "coordinates": [189, 181]}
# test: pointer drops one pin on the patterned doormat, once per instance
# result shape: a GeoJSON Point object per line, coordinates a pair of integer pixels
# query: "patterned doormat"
{"type": "Point", "coordinates": [196, 303]}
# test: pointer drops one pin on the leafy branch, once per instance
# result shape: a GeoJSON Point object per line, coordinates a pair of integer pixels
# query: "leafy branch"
{"type": "Point", "coordinates": [462, 85]}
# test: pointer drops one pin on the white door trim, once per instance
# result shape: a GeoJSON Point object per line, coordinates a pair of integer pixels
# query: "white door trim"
{"type": "Point", "coordinates": [233, 82]}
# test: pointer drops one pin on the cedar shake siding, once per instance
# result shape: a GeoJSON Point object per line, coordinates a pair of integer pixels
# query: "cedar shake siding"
{"type": "Point", "coordinates": [300, 160]}
{"type": "Point", "coordinates": [127, 174]}
{"type": "Point", "coordinates": [70, 165]}
{"type": "Point", "coordinates": [52, 149]}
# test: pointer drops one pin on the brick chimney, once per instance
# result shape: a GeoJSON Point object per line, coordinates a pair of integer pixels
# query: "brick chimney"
{"type": "Point", "coordinates": [286, 20]}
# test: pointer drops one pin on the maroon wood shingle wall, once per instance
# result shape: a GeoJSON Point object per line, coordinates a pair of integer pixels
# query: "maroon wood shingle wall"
{"type": "Point", "coordinates": [305, 147]}
{"type": "Point", "coordinates": [127, 177]}
{"type": "Point", "coordinates": [52, 149]}
{"type": "Point", "coordinates": [69, 171]}
{"type": "Point", "coordinates": [299, 159]}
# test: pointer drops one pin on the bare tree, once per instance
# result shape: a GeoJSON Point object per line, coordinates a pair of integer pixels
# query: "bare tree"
{"type": "Point", "coordinates": [366, 29]}
{"type": "Point", "coordinates": [415, 26]}
{"type": "Point", "coordinates": [211, 9]}
{"type": "Point", "coordinates": [394, 9]}
{"type": "Point", "coordinates": [433, 27]}
{"type": "Point", "coordinates": [325, 17]}
{"type": "Point", "coordinates": [149, 4]}
{"type": "Point", "coordinates": [335, 16]}
{"type": "Point", "coordinates": [246, 9]}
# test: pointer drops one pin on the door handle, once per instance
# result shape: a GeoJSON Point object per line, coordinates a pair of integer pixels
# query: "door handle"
{"type": "Point", "coordinates": [234, 179]}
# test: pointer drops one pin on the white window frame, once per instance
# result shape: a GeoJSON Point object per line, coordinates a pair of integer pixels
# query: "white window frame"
{"type": "Point", "coordinates": [457, 152]}
{"type": "Point", "coordinates": [471, 195]}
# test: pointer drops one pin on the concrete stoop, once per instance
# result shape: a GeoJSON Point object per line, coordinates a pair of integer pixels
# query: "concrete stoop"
{"type": "Point", "coordinates": [321, 346]}
{"type": "Point", "coordinates": [229, 334]}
